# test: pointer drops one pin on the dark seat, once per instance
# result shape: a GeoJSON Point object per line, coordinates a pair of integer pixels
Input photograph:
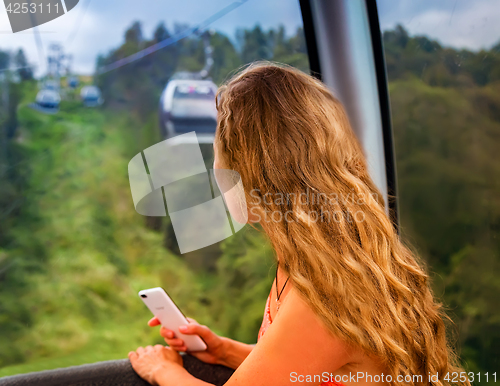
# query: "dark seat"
{"type": "Point", "coordinates": [112, 373]}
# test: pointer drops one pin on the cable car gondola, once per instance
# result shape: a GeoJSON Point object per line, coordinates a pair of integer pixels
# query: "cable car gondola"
{"type": "Point", "coordinates": [73, 81]}
{"type": "Point", "coordinates": [48, 99]}
{"type": "Point", "coordinates": [188, 105]}
{"type": "Point", "coordinates": [91, 96]}
{"type": "Point", "coordinates": [51, 84]}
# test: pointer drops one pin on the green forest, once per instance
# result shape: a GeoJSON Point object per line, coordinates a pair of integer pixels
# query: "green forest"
{"type": "Point", "coordinates": [74, 253]}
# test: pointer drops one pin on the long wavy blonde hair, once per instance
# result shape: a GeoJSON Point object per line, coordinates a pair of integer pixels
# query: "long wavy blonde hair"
{"type": "Point", "coordinates": [290, 138]}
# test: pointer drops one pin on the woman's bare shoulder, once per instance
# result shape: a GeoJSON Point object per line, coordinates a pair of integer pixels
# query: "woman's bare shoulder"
{"type": "Point", "coordinates": [301, 319]}
{"type": "Point", "coordinates": [354, 358]}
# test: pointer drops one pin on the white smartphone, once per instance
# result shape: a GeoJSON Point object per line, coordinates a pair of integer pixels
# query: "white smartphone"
{"type": "Point", "coordinates": [170, 316]}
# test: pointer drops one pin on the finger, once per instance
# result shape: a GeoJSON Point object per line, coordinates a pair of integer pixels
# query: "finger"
{"type": "Point", "coordinates": [191, 320]}
{"type": "Point", "coordinates": [166, 333]}
{"type": "Point", "coordinates": [149, 348]}
{"type": "Point", "coordinates": [196, 329]}
{"type": "Point", "coordinates": [177, 347]}
{"type": "Point", "coordinates": [154, 322]}
{"type": "Point", "coordinates": [175, 342]}
{"type": "Point", "coordinates": [140, 350]}
{"type": "Point", "coordinates": [132, 355]}
{"type": "Point", "coordinates": [158, 347]}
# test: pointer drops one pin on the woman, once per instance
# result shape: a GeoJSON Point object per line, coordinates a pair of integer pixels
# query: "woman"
{"type": "Point", "coordinates": [356, 307]}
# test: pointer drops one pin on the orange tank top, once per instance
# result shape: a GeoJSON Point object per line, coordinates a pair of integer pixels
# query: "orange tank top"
{"type": "Point", "coordinates": [266, 322]}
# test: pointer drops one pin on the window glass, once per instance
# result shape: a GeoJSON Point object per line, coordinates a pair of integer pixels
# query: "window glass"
{"type": "Point", "coordinates": [194, 92]}
{"type": "Point", "coordinates": [443, 64]}
{"type": "Point", "coordinates": [81, 95]}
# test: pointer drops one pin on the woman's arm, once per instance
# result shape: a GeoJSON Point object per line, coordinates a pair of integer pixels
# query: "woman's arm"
{"type": "Point", "coordinates": [220, 350]}
{"type": "Point", "coordinates": [235, 353]}
{"type": "Point", "coordinates": [178, 376]}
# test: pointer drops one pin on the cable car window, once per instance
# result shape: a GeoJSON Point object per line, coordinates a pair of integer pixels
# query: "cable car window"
{"type": "Point", "coordinates": [194, 92]}
{"type": "Point", "coordinates": [443, 68]}
{"type": "Point", "coordinates": [81, 96]}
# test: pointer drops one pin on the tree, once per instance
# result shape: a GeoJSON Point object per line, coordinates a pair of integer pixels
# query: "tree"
{"type": "Point", "coordinates": [4, 60]}
{"type": "Point", "coordinates": [25, 72]}
{"type": "Point", "coordinates": [161, 33]}
{"type": "Point", "coordinates": [134, 33]}
{"type": "Point", "coordinates": [256, 45]}
{"type": "Point", "coordinates": [398, 36]}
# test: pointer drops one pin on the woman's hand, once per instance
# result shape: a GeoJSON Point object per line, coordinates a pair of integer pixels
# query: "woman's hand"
{"type": "Point", "coordinates": [148, 362]}
{"type": "Point", "coordinates": [216, 351]}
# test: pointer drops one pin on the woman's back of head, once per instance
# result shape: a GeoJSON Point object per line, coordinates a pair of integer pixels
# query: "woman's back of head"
{"type": "Point", "coordinates": [282, 119]}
